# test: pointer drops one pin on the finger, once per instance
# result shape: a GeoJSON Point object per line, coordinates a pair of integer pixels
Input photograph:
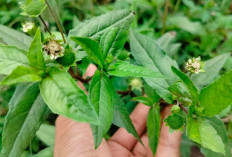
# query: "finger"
{"type": "Point", "coordinates": [75, 140]}
{"type": "Point", "coordinates": [125, 139]}
{"type": "Point", "coordinates": [140, 150]}
{"type": "Point", "coordinates": [169, 143]}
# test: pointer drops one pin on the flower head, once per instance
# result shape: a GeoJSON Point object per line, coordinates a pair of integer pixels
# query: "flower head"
{"type": "Point", "coordinates": [193, 65]}
{"type": "Point", "coordinates": [26, 27]}
{"type": "Point", "coordinates": [54, 49]}
{"type": "Point", "coordinates": [136, 84]}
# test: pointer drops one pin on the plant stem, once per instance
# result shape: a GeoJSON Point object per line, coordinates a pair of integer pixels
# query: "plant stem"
{"type": "Point", "coordinates": [46, 27]}
{"type": "Point", "coordinates": [165, 16]}
{"type": "Point", "coordinates": [226, 120]}
{"type": "Point", "coordinates": [183, 108]}
{"type": "Point", "coordinates": [77, 77]}
{"type": "Point", "coordinates": [57, 23]}
{"type": "Point", "coordinates": [177, 5]}
{"type": "Point", "coordinates": [125, 92]}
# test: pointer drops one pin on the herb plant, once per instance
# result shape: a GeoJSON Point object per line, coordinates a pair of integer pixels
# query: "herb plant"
{"type": "Point", "coordinates": [44, 70]}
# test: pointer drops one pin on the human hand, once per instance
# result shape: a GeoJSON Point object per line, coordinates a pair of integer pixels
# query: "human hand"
{"type": "Point", "coordinates": [75, 139]}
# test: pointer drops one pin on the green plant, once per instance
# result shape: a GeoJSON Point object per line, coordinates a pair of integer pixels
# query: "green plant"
{"type": "Point", "coordinates": [44, 70]}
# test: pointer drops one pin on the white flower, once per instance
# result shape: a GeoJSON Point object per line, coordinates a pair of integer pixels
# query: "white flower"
{"type": "Point", "coordinates": [194, 65]}
{"type": "Point", "coordinates": [27, 26]}
{"type": "Point", "coordinates": [136, 84]}
{"type": "Point", "coordinates": [54, 49]}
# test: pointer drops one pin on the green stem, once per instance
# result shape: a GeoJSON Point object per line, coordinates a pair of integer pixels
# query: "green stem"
{"type": "Point", "coordinates": [57, 23]}
{"type": "Point", "coordinates": [165, 16]}
{"type": "Point", "coordinates": [46, 27]}
{"type": "Point", "coordinates": [177, 5]}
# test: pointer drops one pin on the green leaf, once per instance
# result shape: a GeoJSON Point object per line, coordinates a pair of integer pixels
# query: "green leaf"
{"type": "Point", "coordinates": [67, 60]}
{"type": "Point", "coordinates": [125, 69]}
{"type": "Point", "coordinates": [188, 83]}
{"type": "Point", "coordinates": [202, 132]}
{"type": "Point", "coordinates": [92, 48]}
{"type": "Point", "coordinates": [26, 113]}
{"type": "Point", "coordinates": [64, 97]}
{"type": "Point", "coordinates": [148, 54]}
{"type": "Point", "coordinates": [167, 43]}
{"type": "Point", "coordinates": [185, 146]}
{"type": "Point", "coordinates": [153, 128]}
{"type": "Point", "coordinates": [100, 94]}
{"type": "Point", "coordinates": [182, 22]}
{"type": "Point", "coordinates": [222, 132]}
{"type": "Point", "coordinates": [144, 100]}
{"type": "Point", "coordinates": [97, 26]}
{"type": "Point", "coordinates": [47, 152]}
{"type": "Point", "coordinates": [32, 8]}
{"type": "Point", "coordinates": [174, 121]}
{"type": "Point", "coordinates": [15, 38]}
{"type": "Point", "coordinates": [122, 118]}
{"type": "Point", "coordinates": [21, 74]}
{"type": "Point", "coordinates": [211, 70]}
{"type": "Point", "coordinates": [46, 134]}
{"type": "Point", "coordinates": [10, 58]}
{"type": "Point", "coordinates": [35, 54]}
{"type": "Point", "coordinates": [217, 96]}
{"type": "Point", "coordinates": [113, 40]}
{"type": "Point", "coordinates": [181, 93]}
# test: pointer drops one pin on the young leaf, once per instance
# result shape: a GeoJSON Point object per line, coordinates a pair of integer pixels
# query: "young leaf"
{"type": "Point", "coordinates": [122, 118]}
{"type": "Point", "coordinates": [144, 100]}
{"type": "Point", "coordinates": [32, 8]}
{"type": "Point", "coordinates": [21, 74]}
{"type": "Point", "coordinates": [124, 69]}
{"type": "Point", "coordinates": [217, 96]}
{"type": "Point", "coordinates": [148, 54]}
{"type": "Point", "coordinates": [35, 54]}
{"type": "Point", "coordinates": [10, 58]}
{"type": "Point", "coordinates": [64, 97]}
{"type": "Point", "coordinates": [201, 131]}
{"type": "Point", "coordinates": [95, 27]}
{"type": "Point", "coordinates": [188, 83]}
{"type": "Point", "coordinates": [92, 48]}
{"type": "Point", "coordinates": [26, 113]}
{"type": "Point", "coordinates": [211, 70]}
{"type": "Point", "coordinates": [100, 94]}
{"type": "Point", "coordinates": [153, 128]}
{"type": "Point", "coordinates": [113, 40]}
{"type": "Point", "coordinates": [15, 38]}
{"type": "Point", "coordinates": [174, 121]}
{"type": "Point", "coordinates": [67, 60]}
{"type": "Point", "coordinates": [181, 93]}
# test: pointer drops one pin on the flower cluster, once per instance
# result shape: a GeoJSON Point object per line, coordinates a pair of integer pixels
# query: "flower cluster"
{"type": "Point", "coordinates": [54, 49]}
{"type": "Point", "coordinates": [136, 84]}
{"type": "Point", "coordinates": [28, 26]}
{"type": "Point", "coordinates": [194, 65]}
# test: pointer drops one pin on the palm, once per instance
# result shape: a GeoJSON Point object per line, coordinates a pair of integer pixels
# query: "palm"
{"type": "Point", "coordinates": [75, 139]}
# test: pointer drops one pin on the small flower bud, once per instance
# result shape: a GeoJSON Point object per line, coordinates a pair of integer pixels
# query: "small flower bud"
{"type": "Point", "coordinates": [54, 49]}
{"type": "Point", "coordinates": [136, 84]}
{"type": "Point", "coordinates": [193, 65]}
{"type": "Point", "coordinates": [175, 109]}
{"type": "Point", "coordinates": [28, 26]}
